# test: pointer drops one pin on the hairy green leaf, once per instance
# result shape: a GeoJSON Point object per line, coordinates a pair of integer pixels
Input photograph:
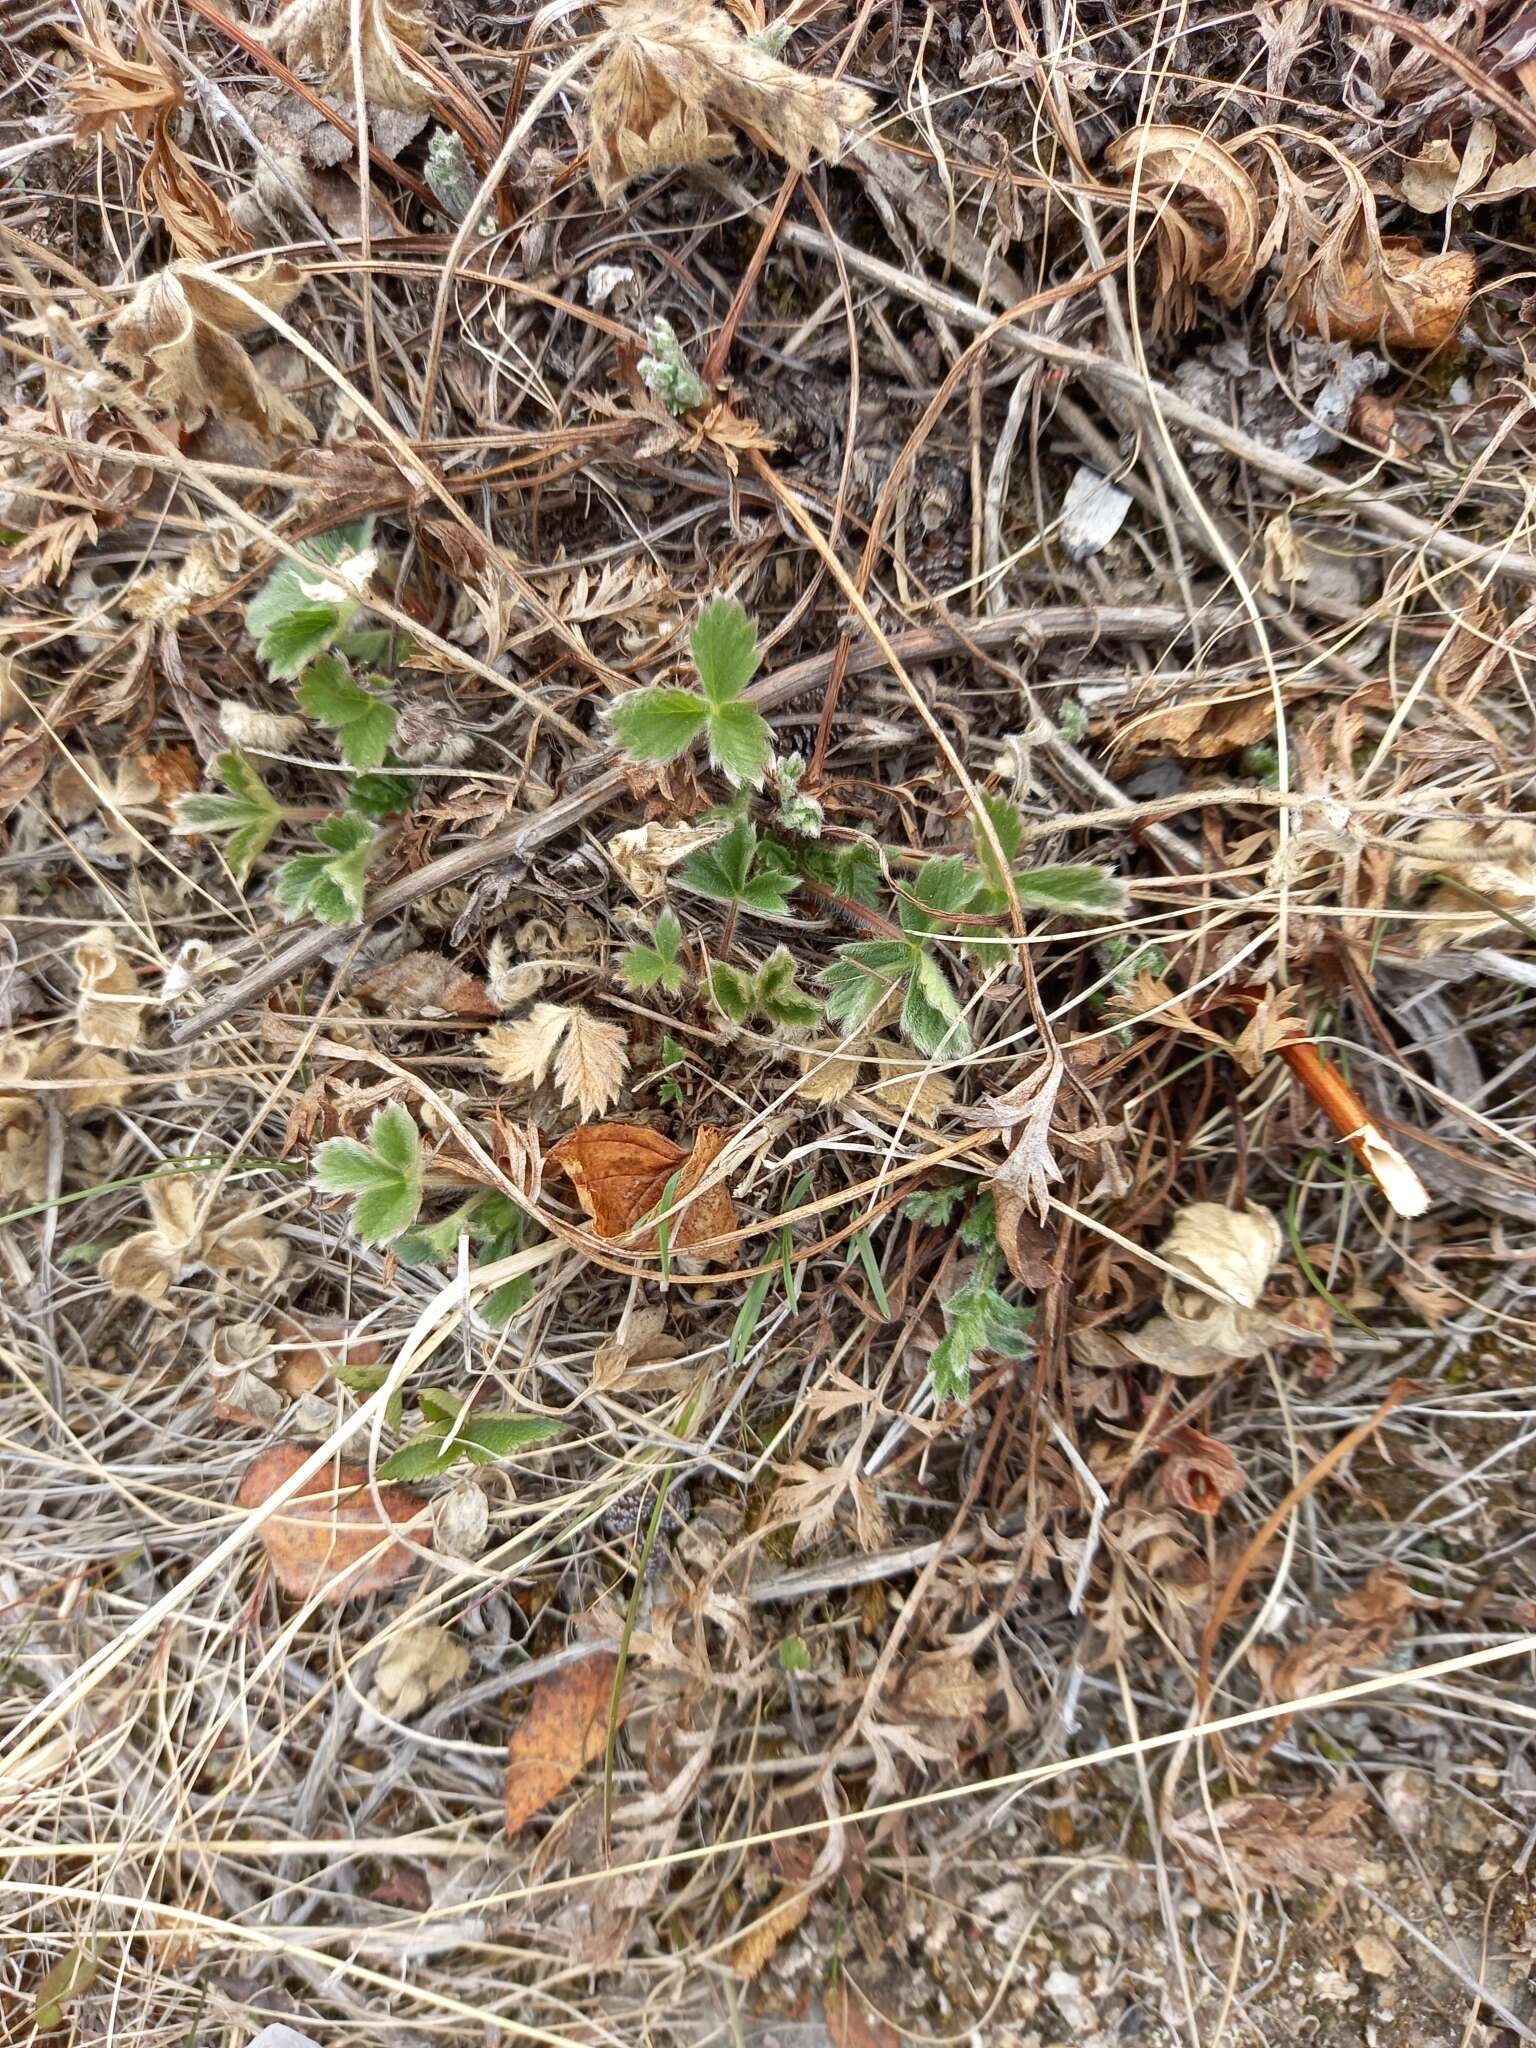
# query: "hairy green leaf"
{"type": "Point", "coordinates": [724, 649]}
{"type": "Point", "coordinates": [384, 1176]}
{"type": "Point", "coordinates": [364, 721]}
{"type": "Point", "coordinates": [658, 724]}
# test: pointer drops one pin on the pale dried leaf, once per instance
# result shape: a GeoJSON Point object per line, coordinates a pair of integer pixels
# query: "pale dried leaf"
{"type": "Point", "coordinates": [1205, 215]}
{"type": "Point", "coordinates": [1232, 1250]}
{"type": "Point", "coordinates": [414, 1667]}
{"type": "Point", "coordinates": [1496, 857]}
{"type": "Point", "coordinates": [678, 75]}
{"type": "Point", "coordinates": [1263, 1843]}
{"type": "Point", "coordinates": [179, 335]}
{"type": "Point", "coordinates": [321, 31]}
{"type": "Point", "coordinates": [524, 1051]}
{"type": "Point", "coordinates": [1393, 294]}
{"type": "Point", "coordinates": [461, 1521]}
{"type": "Point", "coordinates": [646, 855]}
{"type": "Point", "coordinates": [1285, 560]}
{"type": "Point", "coordinates": [512, 981]}
{"type": "Point", "coordinates": [109, 1011]}
{"type": "Point", "coordinates": [591, 1064]}
{"type": "Point", "coordinates": [420, 984]}
{"type": "Point", "coordinates": [641, 1339]}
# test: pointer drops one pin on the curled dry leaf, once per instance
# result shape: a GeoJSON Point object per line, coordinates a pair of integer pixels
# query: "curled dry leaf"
{"type": "Point", "coordinates": [231, 1242]}
{"type": "Point", "coordinates": [414, 1667]}
{"type": "Point", "coordinates": [641, 1339]}
{"type": "Point", "coordinates": [329, 1540]}
{"type": "Point", "coordinates": [645, 856]}
{"type": "Point", "coordinates": [321, 30]}
{"type": "Point", "coordinates": [1028, 1245]}
{"type": "Point", "coordinates": [100, 1083]}
{"type": "Point", "coordinates": [1496, 857]}
{"type": "Point", "coordinates": [1371, 1620]}
{"type": "Point", "coordinates": [678, 75]}
{"type": "Point", "coordinates": [1389, 292]}
{"type": "Point", "coordinates": [1200, 1472]}
{"type": "Point", "coordinates": [179, 335]}
{"type": "Point", "coordinates": [620, 1172]}
{"type": "Point", "coordinates": [422, 984]}
{"type": "Point", "coordinates": [1230, 1255]}
{"type": "Point", "coordinates": [565, 1727]}
{"type": "Point", "coordinates": [1197, 729]}
{"type": "Point", "coordinates": [109, 1011]}
{"type": "Point", "coordinates": [461, 1521]}
{"type": "Point", "coordinates": [1205, 211]}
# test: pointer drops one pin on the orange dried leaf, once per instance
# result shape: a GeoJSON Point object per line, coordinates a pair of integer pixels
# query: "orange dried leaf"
{"type": "Point", "coordinates": [328, 1539]}
{"type": "Point", "coordinates": [1403, 298]}
{"type": "Point", "coordinates": [620, 1172]}
{"type": "Point", "coordinates": [750, 1955]}
{"type": "Point", "coordinates": [565, 1727]}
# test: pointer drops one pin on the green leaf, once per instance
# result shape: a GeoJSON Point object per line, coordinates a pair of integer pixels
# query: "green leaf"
{"type": "Point", "coordinates": [797, 812]}
{"type": "Point", "coordinates": [722, 870]}
{"type": "Point", "coordinates": [941, 888]}
{"type": "Point", "coordinates": [364, 721]}
{"type": "Point", "coordinates": [657, 724]}
{"type": "Point", "coordinates": [329, 885]}
{"type": "Point", "coordinates": [499, 1435]}
{"type": "Point", "coordinates": [724, 649]}
{"type": "Point", "coordinates": [779, 997]}
{"type": "Point", "coordinates": [934, 1205]}
{"type": "Point", "coordinates": [748, 1316]}
{"type": "Point", "coordinates": [793, 1655]}
{"type": "Point", "coordinates": [380, 796]}
{"type": "Point", "coordinates": [440, 1407]}
{"type": "Point", "coordinates": [978, 1227]}
{"type": "Point", "coordinates": [506, 1301]}
{"type": "Point", "coordinates": [740, 743]}
{"type": "Point", "coordinates": [1009, 827]}
{"type": "Point", "coordinates": [931, 1016]}
{"type": "Point", "coordinates": [731, 990]}
{"type": "Point", "coordinates": [250, 813]}
{"type": "Point", "coordinates": [384, 1176]}
{"type": "Point", "coordinates": [301, 608]}
{"type": "Point", "coordinates": [422, 1458]}
{"type": "Point", "coordinates": [979, 1320]}
{"type": "Point", "coordinates": [646, 966]}
{"type": "Point", "coordinates": [1074, 891]}
{"type": "Point", "coordinates": [860, 977]}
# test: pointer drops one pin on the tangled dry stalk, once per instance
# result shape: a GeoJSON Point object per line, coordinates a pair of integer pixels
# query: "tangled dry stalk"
{"type": "Point", "coordinates": [768, 874]}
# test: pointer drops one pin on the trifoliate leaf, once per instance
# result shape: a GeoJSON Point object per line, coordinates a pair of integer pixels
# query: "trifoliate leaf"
{"type": "Point", "coordinates": [941, 888]}
{"type": "Point", "coordinates": [779, 997]}
{"type": "Point", "coordinates": [329, 885]}
{"type": "Point", "coordinates": [363, 720]}
{"type": "Point", "coordinates": [656, 964]}
{"type": "Point", "coordinates": [250, 813]}
{"type": "Point", "coordinates": [384, 1175]}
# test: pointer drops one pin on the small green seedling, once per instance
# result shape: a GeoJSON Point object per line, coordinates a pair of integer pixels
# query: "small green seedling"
{"type": "Point", "coordinates": [666, 371]}
{"type": "Point", "coordinates": [977, 1319]}
{"type": "Point", "coordinates": [797, 813]}
{"type": "Point", "coordinates": [772, 993]}
{"type": "Point", "coordinates": [657, 965]}
{"type": "Point", "coordinates": [384, 1177]}
{"type": "Point", "coordinates": [660, 723]}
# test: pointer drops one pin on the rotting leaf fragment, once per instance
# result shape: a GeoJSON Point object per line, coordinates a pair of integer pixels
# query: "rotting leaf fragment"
{"type": "Point", "coordinates": [563, 1730]}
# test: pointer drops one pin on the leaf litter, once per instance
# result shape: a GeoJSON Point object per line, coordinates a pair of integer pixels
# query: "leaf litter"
{"type": "Point", "coordinates": [830, 917]}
